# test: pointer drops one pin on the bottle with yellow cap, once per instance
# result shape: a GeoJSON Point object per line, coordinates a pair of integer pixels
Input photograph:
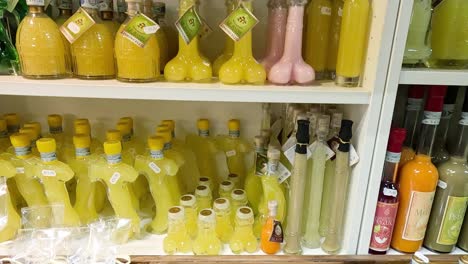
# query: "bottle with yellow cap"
{"type": "Point", "coordinates": [222, 208]}
{"type": "Point", "coordinates": [235, 149]}
{"type": "Point", "coordinates": [53, 175]}
{"type": "Point", "coordinates": [189, 203]}
{"type": "Point", "coordinates": [36, 125]}
{"type": "Point", "coordinates": [177, 239]}
{"type": "Point", "coordinates": [135, 63]}
{"type": "Point", "coordinates": [13, 122]}
{"type": "Point", "coordinates": [204, 197]}
{"type": "Point", "coordinates": [134, 141]}
{"type": "Point", "coordinates": [238, 199]}
{"type": "Point", "coordinates": [243, 238]}
{"type": "Point", "coordinates": [56, 132]}
{"type": "Point", "coordinates": [117, 175]}
{"type": "Point", "coordinates": [4, 140]}
{"type": "Point", "coordinates": [33, 136]}
{"type": "Point", "coordinates": [82, 126]}
{"type": "Point", "coordinates": [175, 183]}
{"type": "Point", "coordinates": [207, 242]}
{"type": "Point", "coordinates": [8, 212]}
{"type": "Point", "coordinates": [157, 169]}
{"type": "Point", "coordinates": [85, 203]}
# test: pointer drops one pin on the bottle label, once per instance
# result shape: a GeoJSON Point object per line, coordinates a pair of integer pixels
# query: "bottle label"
{"type": "Point", "coordinates": [140, 29]}
{"type": "Point", "coordinates": [277, 233]}
{"type": "Point", "coordinates": [417, 215]}
{"type": "Point", "coordinates": [230, 153]}
{"type": "Point", "coordinates": [189, 24]}
{"type": "Point", "coordinates": [114, 178]}
{"type": "Point", "coordinates": [35, 2]}
{"type": "Point", "coordinates": [325, 10]}
{"type": "Point", "coordinates": [240, 22]}
{"type": "Point", "coordinates": [452, 220]}
{"type": "Point", "coordinates": [390, 192]}
{"type": "Point", "coordinates": [261, 162]}
{"type": "Point", "coordinates": [77, 25]}
{"type": "Point", "coordinates": [392, 157]}
{"type": "Point", "coordinates": [431, 118]}
{"type": "Point", "coordinates": [48, 173]}
{"type": "Point", "coordinates": [283, 173]}
{"type": "Point", "coordinates": [154, 167]}
{"type": "Point", "coordinates": [328, 151]}
{"type": "Point", "coordinates": [414, 104]}
{"type": "Point", "coordinates": [464, 119]}
{"type": "Point", "coordinates": [20, 170]}
{"type": "Point", "coordinates": [383, 226]}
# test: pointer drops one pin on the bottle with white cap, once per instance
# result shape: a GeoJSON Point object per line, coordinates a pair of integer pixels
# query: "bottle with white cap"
{"type": "Point", "coordinates": [225, 189]}
{"type": "Point", "coordinates": [222, 208]}
{"type": "Point", "coordinates": [238, 199]}
{"type": "Point", "coordinates": [204, 197]}
{"type": "Point", "coordinates": [207, 242]}
{"type": "Point", "coordinates": [177, 239]}
{"type": "Point", "coordinates": [189, 203]}
{"type": "Point", "coordinates": [205, 181]}
{"type": "Point", "coordinates": [243, 238]}
{"type": "Point", "coordinates": [272, 231]}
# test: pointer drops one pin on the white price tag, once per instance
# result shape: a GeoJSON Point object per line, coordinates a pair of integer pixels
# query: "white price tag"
{"type": "Point", "coordinates": [3, 189]}
{"type": "Point", "coordinates": [325, 10]}
{"type": "Point", "coordinates": [151, 29]}
{"type": "Point", "coordinates": [230, 153]}
{"type": "Point", "coordinates": [73, 27]}
{"type": "Point", "coordinates": [115, 178]}
{"type": "Point", "coordinates": [442, 184]}
{"type": "Point", "coordinates": [390, 192]}
{"type": "Point", "coordinates": [291, 142]}
{"type": "Point", "coordinates": [283, 173]}
{"type": "Point", "coordinates": [392, 157]}
{"type": "Point", "coordinates": [154, 167]}
{"type": "Point", "coordinates": [290, 154]}
{"type": "Point", "coordinates": [329, 152]}
{"type": "Point", "coordinates": [35, 2]}
{"type": "Point", "coordinates": [353, 156]}
{"type": "Point", "coordinates": [49, 173]}
{"type": "Point", "coordinates": [20, 170]}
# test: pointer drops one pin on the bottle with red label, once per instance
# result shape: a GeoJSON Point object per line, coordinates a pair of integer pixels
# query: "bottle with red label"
{"type": "Point", "coordinates": [387, 204]}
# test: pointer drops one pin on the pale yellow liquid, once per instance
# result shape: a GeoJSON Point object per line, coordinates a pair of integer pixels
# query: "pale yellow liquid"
{"type": "Point", "coordinates": [254, 190]}
{"type": "Point", "coordinates": [243, 238]}
{"type": "Point", "coordinates": [189, 171]}
{"type": "Point", "coordinates": [163, 48]}
{"type": "Point", "coordinates": [206, 243]}
{"type": "Point", "coordinates": [41, 48]}
{"type": "Point", "coordinates": [9, 229]}
{"type": "Point", "coordinates": [177, 239]}
{"type": "Point", "coordinates": [236, 163]}
{"type": "Point", "coordinates": [235, 205]}
{"type": "Point", "coordinates": [334, 36]}
{"type": "Point", "coordinates": [224, 228]}
{"type": "Point", "coordinates": [176, 182]}
{"type": "Point", "coordinates": [112, 26]}
{"type": "Point", "coordinates": [191, 220]}
{"type": "Point", "coordinates": [204, 202]}
{"type": "Point", "coordinates": [60, 20]}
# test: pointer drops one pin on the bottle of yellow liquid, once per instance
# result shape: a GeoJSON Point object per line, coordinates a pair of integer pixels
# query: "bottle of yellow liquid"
{"type": "Point", "coordinates": [117, 175]}
{"type": "Point", "coordinates": [135, 63]}
{"type": "Point", "coordinates": [4, 140]}
{"type": "Point", "coordinates": [12, 122]}
{"type": "Point", "coordinates": [418, 49]}
{"type": "Point", "coordinates": [207, 242]}
{"type": "Point", "coordinates": [234, 178]}
{"type": "Point", "coordinates": [156, 11]}
{"type": "Point", "coordinates": [253, 182]}
{"type": "Point", "coordinates": [235, 149]}
{"type": "Point", "coordinates": [334, 37]}
{"type": "Point", "coordinates": [93, 52]}
{"type": "Point", "coordinates": [36, 125]}
{"type": "Point", "coordinates": [177, 239]}
{"type": "Point", "coordinates": [353, 38]}
{"type": "Point", "coordinates": [243, 238]}
{"type": "Point", "coordinates": [9, 229]}
{"type": "Point", "coordinates": [189, 202]}
{"type": "Point", "coordinates": [31, 132]}
{"type": "Point", "coordinates": [85, 203]}
{"type": "Point", "coordinates": [238, 199]}
{"type": "Point", "coordinates": [157, 169]}
{"type": "Point", "coordinates": [175, 183]}
{"type": "Point", "coordinates": [56, 132]}
{"type": "Point", "coordinates": [204, 197]}
{"type": "Point", "coordinates": [242, 66]}
{"type": "Point", "coordinates": [134, 141]}
{"type": "Point", "coordinates": [224, 228]}
{"type": "Point", "coordinates": [319, 19]}
{"type": "Point", "coordinates": [65, 12]}
{"type": "Point", "coordinates": [228, 44]}
{"type": "Point", "coordinates": [82, 126]}
{"type": "Point", "coordinates": [107, 16]}
{"type": "Point", "coordinates": [205, 181]}
{"type": "Point", "coordinates": [189, 64]}
{"type": "Point", "coordinates": [225, 189]}
{"type": "Point", "coordinates": [53, 175]}
{"type": "Point", "coordinates": [40, 45]}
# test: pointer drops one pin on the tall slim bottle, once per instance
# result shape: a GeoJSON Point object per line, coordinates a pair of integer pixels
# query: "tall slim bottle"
{"type": "Point", "coordinates": [297, 185]}
{"type": "Point", "coordinates": [334, 35]}
{"type": "Point", "coordinates": [451, 197]}
{"type": "Point", "coordinates": [277, 16]}
{"type": "Point", "coordinates": [387, 204]}
{"type": "Point", "coordinates": [353, 37]}
{"type": "Point", "coordinates": [441, 153]}
{"type": "Point", "coordinates": [418, 47]}
{"type": "Point", "coordinates": [418, 182]}
{"type": "Point", "coordinates": [334, 237]}
{"type": "Point", "coordinates": [228, 44]}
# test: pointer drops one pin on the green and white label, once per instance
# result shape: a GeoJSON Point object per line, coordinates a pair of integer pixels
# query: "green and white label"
{"type": "Point", "coordinates": [140, 29]}
{"type": "Point", "coordinates": [77, 25]}
{"type": "Point", "coordinates": [189, 24]}
{"type": "Point", "coordinates": [452, 220]}
{"type": "Point", "coordinates": [239, 22]}
{"type": "Point", "coordinates": [11, 4]}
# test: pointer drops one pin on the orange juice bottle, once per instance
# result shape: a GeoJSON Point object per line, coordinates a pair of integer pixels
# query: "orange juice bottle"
{"type": "Point", "coordinates": [272, 236]}
{"type": "Point", "coordinates": [418, 182]}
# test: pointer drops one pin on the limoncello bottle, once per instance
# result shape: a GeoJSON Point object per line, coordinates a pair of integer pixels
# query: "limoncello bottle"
{"type": "Point", "coordinates": [31, 132]}
{"type": "Point", "coordinates": [334, 37]}
{"type": "Point", "coordinates": [177, 239]}
{"type": "Point", "coordinates": [157, 12]}
{"type": "Point", "coordinates": [207, 242]}
{"type": "Point", "coordinates": [243, 238]}
{"type": "Point", "coordinates": [65, 12]}
{"type": "Point", "coordinates": [204, 197]}
{"type": "Point", "coordinates": [205, 181]}
{"type": "Point", "coordinates": [135, 63]}
{"type": "Point", "coordinates": [107, 16]}
{"type": "Point", "coordinates": [225, 189]}
{"type": "Point", "coordinates": [13, 122]}
{"type": "Point", "coordinates": [224, 229]}
{"type": "Point", "coordinates": [53, 175]}
{"type": "Point", "coordinates": [40, 45]}
{"type": "Point", "coordinates": [189, 64]}
{"type": "Point", "coordinates": [238, 199]}
{"type": "Point", "coordinates": [253, 182]}
{"type": "Point", "coordinates": [4, 140]}
{"type": "Point", "coordinates": [175, 183]}
{"type": "Point", "coordinates": [228, 44]}
{"type": "Point", "coordinates": [8, 212]}
{"type": "Point", "coordinates": [84, 127]}
{"type": "Point", "coordinates": [189, 202]}
{"type": "Point", "coordinates": [117, 175]}
{"type": "Point", "coordinates": [36, 125]}
{"type": "Point", "coordinates": [157, 169]}
{"type": "Point", "coordinates": [234, 178]}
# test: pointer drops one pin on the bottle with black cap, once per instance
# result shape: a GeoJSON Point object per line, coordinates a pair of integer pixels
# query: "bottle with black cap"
{"type": "Point", "coordinates": [332, 242]}
{"type": "Point", "coordinates": [297, 187]}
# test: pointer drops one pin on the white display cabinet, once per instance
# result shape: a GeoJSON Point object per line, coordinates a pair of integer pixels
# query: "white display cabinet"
{"type": "Point", "coordinates": [103, 102]}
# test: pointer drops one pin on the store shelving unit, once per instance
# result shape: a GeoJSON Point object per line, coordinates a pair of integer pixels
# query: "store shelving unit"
{"type": "Point", "coordinates": [434, 77]}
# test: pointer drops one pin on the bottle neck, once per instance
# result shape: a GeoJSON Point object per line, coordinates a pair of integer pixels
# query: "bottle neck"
{"type": "Point", "coordinates": [36, 9]}
{"type": "Point", "coordinates": [23, 152]}
{"type": "Point", "coordinates": [203, 133]}
{"type": "Point", "coordinates": [234, 133]}
{"type": "Point", "coordinates": [390, 168]}
{"type": "Point", "coordinates": [48, 156]}
{"type": "Point", "coordinates": [460, 148]}
{"type": "Point", "coordinates": [133, 9]}
{"type": "Point", "coordinates": [413, 109]}
{"type": "Point", "coordinates": [442, 129]}
{"type": "Point", "coordinates": [65, 12]}
{"type": "Point", "coordinates": [429, 128]}
{"type": "Point", "coordinates": [82, 153]}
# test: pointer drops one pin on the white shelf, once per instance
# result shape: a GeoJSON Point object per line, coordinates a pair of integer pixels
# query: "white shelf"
{"type": "Point", "coordinates": [425, 251]}
{"type": "Point", "coordinates": [325, 92]}
{"type": "Point", "coordinates": [434, 77]}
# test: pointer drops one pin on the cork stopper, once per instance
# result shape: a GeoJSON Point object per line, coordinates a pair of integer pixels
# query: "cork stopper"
{"type": "Point", "coordinates": [238, 195]}
{"type": "Point", "coordinates": [244, 213]}
{"type": "Point", "coordinates": [176, 213]}
{"type": "Point", "coordinates": [207, 216]}
{"type": "Point", "coordinates": [202, 190]}
{"type": "Point", "coordinates": [187, 200]}
{"type": "Point", "coordinates": [221, 204]}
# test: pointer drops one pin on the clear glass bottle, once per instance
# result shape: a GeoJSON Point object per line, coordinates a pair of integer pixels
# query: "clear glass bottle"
{"type": "Point", "coordinates": [204, 197]}
{"type": "Point", "coordinates": [272, 233]}
{"type": "Point", "coordinates": [441, 153]}
{"type": "Point", "coordinates": [238, 199]}
{"type": "Point", "coordinates": [207, 242]}
{"type": "Point", "coordinates": [177, 239]}
{"type": "Point", "coordinates": [418, 47]}
{"type": "Point", "coordinates": [243, 238]}
{"type": "Point", "coordinates": [107, 16]}
{"type": "Point", "coordinates": [277, 17]}
{"type": "Point", "coordinates": [189, 202]}
{"type": "Point", "coordinates": [224, 227]}
{"type": "Point", "coordinates": [225, 189]}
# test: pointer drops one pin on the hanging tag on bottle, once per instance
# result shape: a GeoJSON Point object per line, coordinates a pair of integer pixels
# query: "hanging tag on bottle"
{"type": "Point", "coordinates": [291, 142]}
{"type": "Point", "coordinates": [11, 4]}
{"type": "Point", "coordinates": [140, 29]}
{"type": "Point", "coordinates": [277, 232]}
{"type": "Point", "coordinates": [77, 25]}
{"type": "Point", "coordinates": [290, 154]}
{"type": "Point", "coordinates": [283, 173]}
{"type": "Point", "coordinates": [239, 22]}
{"type": "Point", "coordinates": [189, 25]}
{"type": "Point", "coordinates": [205, 30]}
{"type": "Point", "coordinates": [353, 156]}
{"type": "Point", "coordinates": [328, 151]}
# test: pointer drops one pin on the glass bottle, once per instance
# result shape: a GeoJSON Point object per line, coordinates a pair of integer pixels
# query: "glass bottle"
{"type": "Point", "coordinates": [387, 203]}
{"type": "Point", "coordinates": [449, 39]}
{"type": "Point", "coordinates": [159, 14]}
{"type": "Point", "coordinates": [271, 238]}
{"type": "Point", "coordinates": [10, 218]}
{"type": "Point", "coordinates": [353, 38]}
{"type": "Point", "coordinates": [234, 178]}
{"type": "Point", "coordinates": [177, 239]}
{"type": "Point", "coordinates": [319, 19]}
{"type": "Point", "coordinates": [40, 45]}
{"type": "Point", "coordinates": [13, 122]}
{"type": "Point", "coordinates": [334, 35]}
{"type": "Point", "coordinates": [204, 197]}
{"type": "Point", "coordinates": [238, 199]}
{"type": "Point", "coordinates": [463, 238]}
{"type": "Point", "coordinates": [225, 189]}
{"type": "Point", "coordinates": [277, 17]}
{"type": "Point", "coordinates": [297, 187]}
{"type": "Point", "coordinates": [9, 60]}
{"type": "Point", "coordinates": [107, 16]}
{"type": "Point", "coordinates": [333, 240]}
{"type": "Point", "coordinates": [441, 153]}
{"type": "Point", "coordinates": [253, 181]}
{"type": "Point", "coordinates": [205, 181]}
{"type": "Point", "coordinates": [224, 229]}
{"type": "Point", "coordinates": [189, 202]}
{"type": "Point", "coordinates": [418, 182]}
{"type": "Point", "coordinates": [418, 48]}
{"type": "Point", "coordinates": [451, 197]}
{"type": "Point", "coordinates": [243, 238]}
{"type": "Point", "coordinates": [228, 44]}
{"type": "Point", "coordinates": [135, 63]}
{"type": "Point", "coordinates": [207, 242]}
{"type": "Point", "coordinates": [65, 12]}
